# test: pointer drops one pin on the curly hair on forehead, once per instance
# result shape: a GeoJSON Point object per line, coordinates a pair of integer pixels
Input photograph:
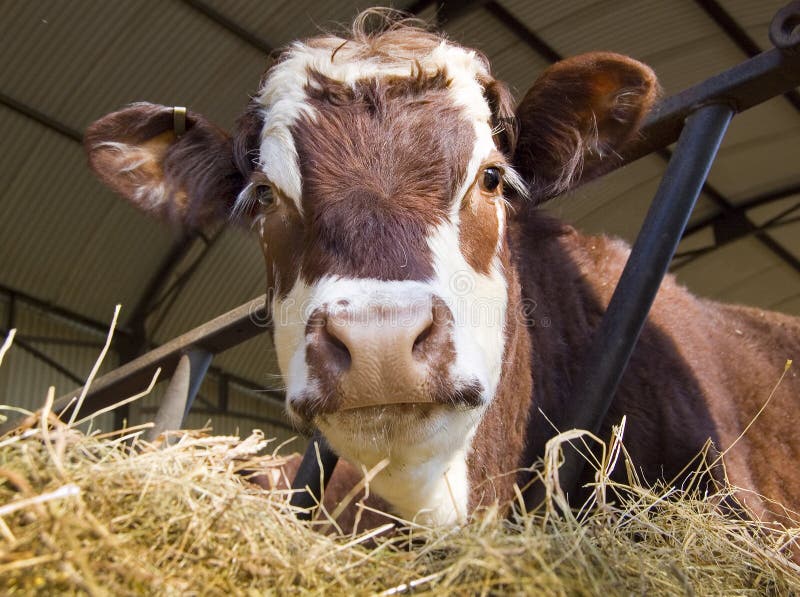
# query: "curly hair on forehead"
{"type": "Point", "coordinates": [383, 35]}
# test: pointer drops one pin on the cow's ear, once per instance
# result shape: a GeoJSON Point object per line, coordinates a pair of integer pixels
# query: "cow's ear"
{"type": "Point", "coordinates": [172, 163]}
{"type": "Point", "coordinates": [576, 117]}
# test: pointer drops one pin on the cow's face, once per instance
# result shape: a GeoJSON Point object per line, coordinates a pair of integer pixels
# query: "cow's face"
{"type": "Point", "coordinates": [382, 220]}
{"type": "Point", "coordinates": [377, 171]}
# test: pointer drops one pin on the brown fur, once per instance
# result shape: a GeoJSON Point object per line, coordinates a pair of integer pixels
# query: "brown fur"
{"type": "Point", "coordinates": [379, 165]}
{"type": "Point", "coordinates": [478, 227]}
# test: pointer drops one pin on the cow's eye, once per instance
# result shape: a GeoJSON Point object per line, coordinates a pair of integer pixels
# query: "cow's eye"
{"type": "Point", "coordinates": [490, 180]}
{"type": "Point", "coordinates": [263, 194]}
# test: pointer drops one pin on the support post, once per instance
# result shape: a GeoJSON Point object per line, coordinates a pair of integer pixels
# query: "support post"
{"type": "Point", "coordinates": [615, 338]}
{"type": "Point", "coordinates": [181, 392]}
{"type": "Point", "coordinates": [309, 480]}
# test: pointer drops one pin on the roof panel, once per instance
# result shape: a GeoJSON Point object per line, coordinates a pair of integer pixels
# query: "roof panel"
{"type": "Point", "coordinates": [773, 117]}
{"type": "Point", "coordinates": [726, 267]}
{"type": "Point", "coordinates": [538, 14]}
{"type": "Point", "coordinates": [770, 286]}
{"type": "Point", "coordinates": [231, 273]}
{"type": "Point", "coordinates": [75, 83]}
{"type": "Point", "coordinates": [279, 23]}
{"type": "Point", "coordinates": [750, 169]}
{"type": "Point", "coordinates": [754, 17]}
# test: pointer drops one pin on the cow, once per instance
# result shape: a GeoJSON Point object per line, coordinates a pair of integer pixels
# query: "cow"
{"type": "Point", "coordinates": [428, 316]}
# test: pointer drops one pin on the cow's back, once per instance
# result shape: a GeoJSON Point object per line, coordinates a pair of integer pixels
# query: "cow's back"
{"type": "Point", "coordinates": [752, 347]}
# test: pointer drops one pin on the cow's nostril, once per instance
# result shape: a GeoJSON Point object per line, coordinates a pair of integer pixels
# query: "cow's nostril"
{"type": "Point", "coordinates": [337, 349]}
{"type": "Point", "coordinates": [419, 344]}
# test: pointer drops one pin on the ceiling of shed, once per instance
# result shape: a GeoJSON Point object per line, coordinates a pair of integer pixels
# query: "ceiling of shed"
{"type": "Point", "coordinates": [68, 242]}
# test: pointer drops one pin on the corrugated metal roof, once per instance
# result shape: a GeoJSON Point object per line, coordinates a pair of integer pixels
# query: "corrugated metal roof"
{"type": "Point", "coordinates": [753, 17]}
{"type": "Point", "coordinates": [55, 216]}
{"type": "Point", "coordinates": [66, 240]}
{"type": "Point", "coordinates": [25, 379]}
{"type": "Point", "coordinates": [231, 272]}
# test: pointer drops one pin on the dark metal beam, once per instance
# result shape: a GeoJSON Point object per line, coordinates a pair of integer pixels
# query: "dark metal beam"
{"type": "Point", "coordinates": [417, 7]}
{"type": "Point", "coordinates": [173, 292]}
{"type": "Point", "coordinates": [181, 391]}
{"type": "Point", "coordinates": [739, 36]}
{"type": "Point", "coordinates": [231, 25]}
{"type": "Point", "coordinates": [309, 481]}
{"type": "Point", "coordinates": [11, 313]}
{"type": "Point", "coordinates": [616, 337]}
{"type": "Point", "coordinates": [155, 285]}
{"type": "Point", "coordinates": [51, 309]}
{"type": "Point", "coordinates": [59, 341]}
{"type": "Point", "coordinates": [450, 10]}
{"type": "Point", "coordinates": [729, 229]}
{"type": "Point", "coordinates": [536, 43]}
{"type": "Point", "coordinates": [41, 118]}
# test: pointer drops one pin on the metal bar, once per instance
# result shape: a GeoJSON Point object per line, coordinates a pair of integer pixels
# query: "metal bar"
{"type": "Point", "coordinates": [740, 37]}
{"type": "Point", "coordinates": [309, 480]}
{"type": "Point", "coordinates": [183, 386]}
{"type": "Point", "coordinates": [41, 118]}
{"type": "Point", "coordinates": [745, 229]}
{"type": "Point", "coordinates": [229, 24]}
{"type": "Point", "coordinates": [60, 341]}
{"type": "Point", "coordinates": [228, 330]}
{"type": "Point", "coordinates": [165, 303]}
{"type": "Point", "coordinates": [536, 43]}
{"type": "Point", "coordinates": [11, 314]}
{"type": "Point", "coordinates": [177, 253]}
{"type": "Point", "coordinates": [418, 6]}
{"type": "Point", "coordinates": [51, 309]}
{"type": "Point", "coordinates": [616, 337]}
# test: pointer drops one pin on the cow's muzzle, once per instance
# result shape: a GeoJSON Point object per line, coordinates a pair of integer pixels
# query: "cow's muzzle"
{"type": "Point", "coordinates": [381, 354]}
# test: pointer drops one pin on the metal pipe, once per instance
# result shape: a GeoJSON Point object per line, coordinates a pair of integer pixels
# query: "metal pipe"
{"type": "Point", "coordinates": [182, 389]}
{"type": "Point", "coordinates": [309, 480]}
{"type": "Point", "coordinates": [615, 338]}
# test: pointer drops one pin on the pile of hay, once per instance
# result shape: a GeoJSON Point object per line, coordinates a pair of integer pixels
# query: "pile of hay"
{"type": "Point", "coordinates": [92, 514]}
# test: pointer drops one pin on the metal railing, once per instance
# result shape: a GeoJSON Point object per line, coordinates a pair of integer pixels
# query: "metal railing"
{"type": "Point", "coordinates": [697, 117]}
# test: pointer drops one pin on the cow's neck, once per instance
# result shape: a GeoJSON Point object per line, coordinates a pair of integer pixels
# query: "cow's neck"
{"type": "Point", "coordinates": [570, 278]}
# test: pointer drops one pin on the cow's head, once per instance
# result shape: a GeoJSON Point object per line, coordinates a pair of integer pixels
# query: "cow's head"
{"type": "Point", "coordinates": [379, 172]}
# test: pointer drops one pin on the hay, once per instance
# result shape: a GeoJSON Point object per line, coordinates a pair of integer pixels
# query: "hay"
{"type": "Point", "coordinates": [89, 514]}
{"type": "Point", "coordinates": [109, 514]}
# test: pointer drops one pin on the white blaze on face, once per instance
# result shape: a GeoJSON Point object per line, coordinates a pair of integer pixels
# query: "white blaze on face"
{"type": "Point", "coordinates": [427, 474]}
